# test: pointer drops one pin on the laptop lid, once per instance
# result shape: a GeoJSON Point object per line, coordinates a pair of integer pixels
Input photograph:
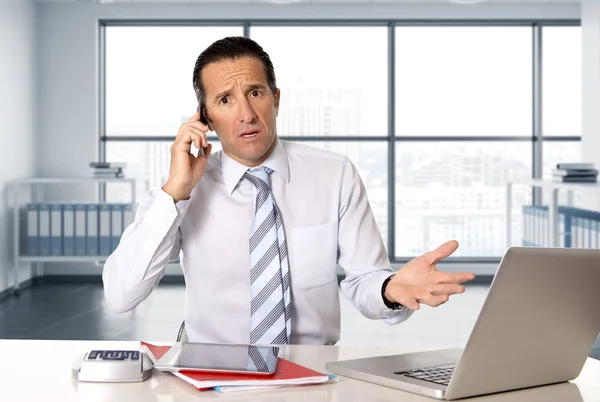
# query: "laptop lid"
{"type": "Point", "coordinates": [537, 324]}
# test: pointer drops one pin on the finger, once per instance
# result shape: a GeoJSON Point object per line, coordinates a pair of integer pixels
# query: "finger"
{"type": "Point", "coordinates": [196, 130]}
{"type": "Point", "coordinates": [196, 133]}
{"type": "Point", "coordinates": [435, 301]}
{"type": "Point", "coordinates": [195, 117]}
{"type": "Point", "coordinates": [431, 300]}
{"type": "Point", "coordinates": [432, 257]}
{"type": "Point", "coordinates": [190, 126]}
{"type": "Point", "coordinates": [200, 125]}
{"type": "Point", "coordinates": [410, 303]}
{"type": "Point", "coordinates": [190, 135]}
{"type": "Point", "coordinates": [455, 277]}
{"type": "Point", "coordinates": [439, 290]}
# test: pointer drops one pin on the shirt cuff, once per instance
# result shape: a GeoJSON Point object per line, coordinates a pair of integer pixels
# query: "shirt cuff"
{"type": "Point", "coordinates": [392, 316]}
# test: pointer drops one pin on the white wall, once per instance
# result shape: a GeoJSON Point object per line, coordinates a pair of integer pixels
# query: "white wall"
{"type": "Point", "coordinates": [590, 28]}
{"type": "Point", "coordinates": [69, 48]}
{"type": "Point", "coordinates": [18, 125]}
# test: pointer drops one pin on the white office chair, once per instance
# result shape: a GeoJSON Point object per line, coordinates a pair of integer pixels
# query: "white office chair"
{"type": "Point", "coordinates": [182, 334]}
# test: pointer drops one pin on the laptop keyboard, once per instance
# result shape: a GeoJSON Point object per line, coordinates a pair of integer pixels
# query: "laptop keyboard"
{"type": "Point", "coordinates": [437, 374]}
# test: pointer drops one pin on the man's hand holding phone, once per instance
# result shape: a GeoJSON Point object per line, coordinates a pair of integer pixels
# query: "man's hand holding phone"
{"type": "Point", "coordinates": [186, 170]}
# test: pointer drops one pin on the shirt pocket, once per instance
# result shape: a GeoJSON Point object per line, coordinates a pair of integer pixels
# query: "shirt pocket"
{"type": "Point", "coordinates": [313, 255]}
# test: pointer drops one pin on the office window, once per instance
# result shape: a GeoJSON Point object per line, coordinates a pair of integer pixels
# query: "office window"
{"type": "Point", "coordinates": [561, 77]}
{"type": "Point", "coordinates": [472, 82]}
{"type": "Point", "coordinates": [149, 77]}
{"type": "Point", "coordinates": [456, 190]}
{"type": "Point", "coordinates": [463, 81]}
{"type": "Point", "coordinates": [330, 85]}
{"type": "Point", "coordinates": [561, 105]}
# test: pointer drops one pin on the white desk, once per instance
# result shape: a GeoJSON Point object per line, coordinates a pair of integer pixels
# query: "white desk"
{"type": "Point", "coordinates": [553, 230]}
{"type": "Point", "coordinates": [51, 380]}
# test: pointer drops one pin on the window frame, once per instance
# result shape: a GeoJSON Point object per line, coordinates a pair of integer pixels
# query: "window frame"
{"type": "Point", "coordinates": [536, 139]}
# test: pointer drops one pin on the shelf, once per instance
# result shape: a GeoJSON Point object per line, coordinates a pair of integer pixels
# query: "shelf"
{"type": "Point", "coordinates": [62, 258]}
{"type": "Point", "coordinates": [34, 185]}
{"type": "Point", "coordinates": [67, 180]}
{"type": "Point", "coordinates": [556, 185]}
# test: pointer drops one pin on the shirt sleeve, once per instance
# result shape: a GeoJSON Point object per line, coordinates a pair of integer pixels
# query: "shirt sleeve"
{"type": "Point", "coordinates": [361, 252]}
{"type": "Point", "coordinates": [147, 245]}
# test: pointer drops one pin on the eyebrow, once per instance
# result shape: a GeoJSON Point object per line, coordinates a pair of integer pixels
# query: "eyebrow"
{"type": "Point", "coordinates": [250, 87]}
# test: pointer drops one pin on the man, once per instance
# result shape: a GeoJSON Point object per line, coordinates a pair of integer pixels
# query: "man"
{"type": "Point", "coordinates": [261, 225]}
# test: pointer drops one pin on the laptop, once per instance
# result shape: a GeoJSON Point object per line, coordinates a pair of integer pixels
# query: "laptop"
{"type": "Point", "coordinates": [537, 326]}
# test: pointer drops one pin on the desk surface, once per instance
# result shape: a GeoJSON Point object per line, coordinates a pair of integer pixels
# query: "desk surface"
{"type": "Point", "coordinates": [49, 379]}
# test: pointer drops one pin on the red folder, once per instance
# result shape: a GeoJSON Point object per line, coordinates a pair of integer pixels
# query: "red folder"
{"type": "Point", "coordinates": [286, 373]}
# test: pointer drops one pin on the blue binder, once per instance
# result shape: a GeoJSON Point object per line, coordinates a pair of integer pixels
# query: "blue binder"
{"type": "Point", "coordinates": [117, 219]}
{"type": "Point", "coordinates": [104, 221]}
{"type": "Point", "coordinates": [80, 229]}
{"type": "Point", "coordinates": [32, 229]}
{"type": "Point", "coordinates": [68, 212]}
{"type": "Point", "coordinates": [56, 229]}
{"type": "Point", "coordinates": [91, 239]}
{"type": "Point", "coordinates": [44, 228]}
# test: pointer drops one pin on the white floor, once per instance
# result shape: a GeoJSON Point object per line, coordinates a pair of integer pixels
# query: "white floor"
{"type": "Point", "coordinates": [446, 326]}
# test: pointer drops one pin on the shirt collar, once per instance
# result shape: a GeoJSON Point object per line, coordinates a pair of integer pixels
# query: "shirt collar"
{"type": "Point", "coordinates": [233, 171]}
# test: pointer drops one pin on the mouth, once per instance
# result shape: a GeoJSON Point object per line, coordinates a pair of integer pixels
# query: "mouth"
{"type": "Point", "coordinates": [248, 134]}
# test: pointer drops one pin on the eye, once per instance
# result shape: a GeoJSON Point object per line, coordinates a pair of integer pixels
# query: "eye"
{"type": "Point", "coordinates": [255, 93]}
{"type": "Point", "coordinates": [224, 100]}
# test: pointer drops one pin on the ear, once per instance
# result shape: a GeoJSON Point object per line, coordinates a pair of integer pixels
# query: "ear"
{"type": "Point", "coordinates": [277, 98]}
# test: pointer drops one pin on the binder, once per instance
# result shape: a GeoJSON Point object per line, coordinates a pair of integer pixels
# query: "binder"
{"type": "Point", "coordinates": [44, 228]}
{"type": "Point", "coordinates": [117, 219]}
{"type": "Point", "coordinates": [575, 232]}
{"type": "Point", "coordinates": [80, 229]}
{"type": "Point", "coordinates": [56, 229]}
{"type": "Point", "coordinates": [68, 213]}
{"type": "Point", "coordinates": [562, 238]}
{"type": "Point", "coordinates": [104, 221]}
{"type": "Point", "coordinates": [128, 216]}
{"type": "Point", "coordinates": [91, 235]}
{"type": "Point", "coordinates": [32, 229]}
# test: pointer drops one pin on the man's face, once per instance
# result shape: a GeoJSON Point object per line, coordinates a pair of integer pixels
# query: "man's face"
{"type": "Point", "coordinates": [241, 108]}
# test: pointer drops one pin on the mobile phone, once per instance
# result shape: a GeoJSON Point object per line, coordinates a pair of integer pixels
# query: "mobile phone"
{"type": "Point", "coordinates": [204, 121]}
{"type": "Point", "coordinates": [215, 357]}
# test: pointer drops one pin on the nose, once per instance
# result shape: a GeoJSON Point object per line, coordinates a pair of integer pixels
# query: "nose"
{"type": "Point", "coordinates": [246, 113]}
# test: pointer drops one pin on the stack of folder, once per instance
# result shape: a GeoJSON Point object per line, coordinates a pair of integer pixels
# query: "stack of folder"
{"type": "Point", "coordinates": [108, 169]}
{"type": "Point", "coordinates": [286, 374]}
{"type": "Point", "coordinates": [67, 229]}
{"type": "Point", "coordinates": [575, 173]}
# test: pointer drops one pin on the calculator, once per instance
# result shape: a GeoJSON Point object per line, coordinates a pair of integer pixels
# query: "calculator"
{"type": "Point", "coordinates": [113, 366]}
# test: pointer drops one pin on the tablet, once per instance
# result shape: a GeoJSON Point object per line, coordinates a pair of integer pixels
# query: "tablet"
{"type": "Point", "coordinates": [215, 357]}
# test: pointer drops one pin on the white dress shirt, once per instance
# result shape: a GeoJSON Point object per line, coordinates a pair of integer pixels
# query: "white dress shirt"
{"type": "Point", "coordinates": [327, 220]}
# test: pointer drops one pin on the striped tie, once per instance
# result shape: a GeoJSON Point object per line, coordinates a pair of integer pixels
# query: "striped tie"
{"type": "Point", "coordinates": [269, 272]}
